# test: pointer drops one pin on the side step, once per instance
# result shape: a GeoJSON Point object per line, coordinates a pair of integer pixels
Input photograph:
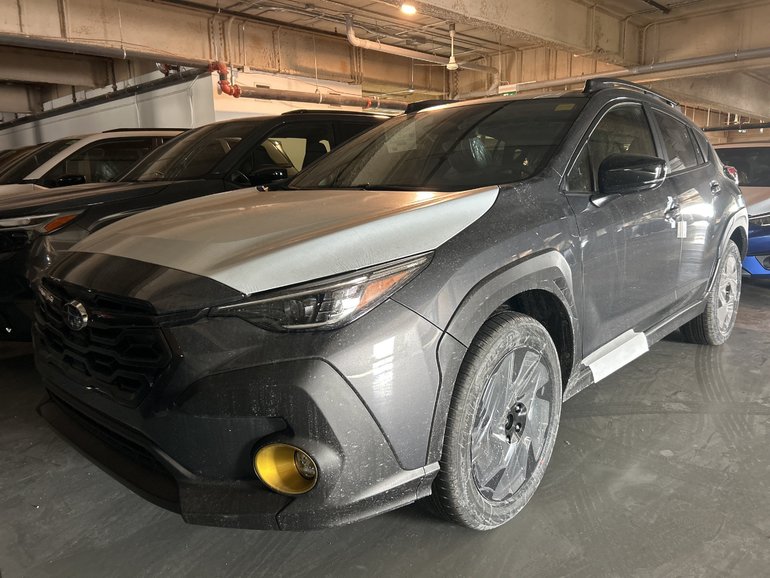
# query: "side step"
{"type": "Point", "coordinates": [619, 352]}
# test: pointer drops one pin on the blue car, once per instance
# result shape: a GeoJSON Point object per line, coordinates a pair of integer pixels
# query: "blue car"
{"type": "Point", "coordinates": [752, 169]}
{"type": "Point", "coordinates": [757, 261]}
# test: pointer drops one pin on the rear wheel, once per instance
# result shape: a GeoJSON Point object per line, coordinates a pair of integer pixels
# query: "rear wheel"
{"type": "Point", "coordinates": [502, 423]}
{"type": "Point", "coordinates": [715, 324]}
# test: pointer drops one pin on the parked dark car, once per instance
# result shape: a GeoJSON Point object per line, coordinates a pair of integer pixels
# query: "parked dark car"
{"type": "Point", "coordinates": [38, 225]}
{"type": "Point", "coordinates": [404, 320]}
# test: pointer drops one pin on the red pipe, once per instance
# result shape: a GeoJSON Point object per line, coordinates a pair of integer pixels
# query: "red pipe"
{"type": "Point", "coordinates": [224, 82]}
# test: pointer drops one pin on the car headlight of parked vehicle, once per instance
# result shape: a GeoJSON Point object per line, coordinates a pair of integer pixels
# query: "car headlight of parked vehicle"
{"type": "Point", "coordinates": [329, 304]}
{"type": "Point", "coordinates": [41, 224]}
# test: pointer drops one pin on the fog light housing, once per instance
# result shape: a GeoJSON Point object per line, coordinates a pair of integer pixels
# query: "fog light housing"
{"type": "Point", "coordinates": [766, 262]}
{"type": "Point", "coordinates": [285, 469]}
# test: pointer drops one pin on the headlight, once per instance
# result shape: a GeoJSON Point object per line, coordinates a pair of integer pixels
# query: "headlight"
{"type": "Point", "coordinates": [39, 223]}
{"type": "Point", "coordinates": [328, 304]}
{"type": "Point", "coordinates": [760, 220]}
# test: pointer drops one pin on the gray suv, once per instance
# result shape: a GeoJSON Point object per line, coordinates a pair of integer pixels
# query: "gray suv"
{"type": "Point", "coordinates": [404, 320]}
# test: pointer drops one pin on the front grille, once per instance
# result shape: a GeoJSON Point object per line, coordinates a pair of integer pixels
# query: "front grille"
{"type": "Point", "coordinates": [120, 352]}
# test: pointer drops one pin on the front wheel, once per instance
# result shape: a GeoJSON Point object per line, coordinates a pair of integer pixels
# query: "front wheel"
{"type": "Point", "coordinates": [715, 324]}
{"type": "Point", "coordinates": [502, 423]}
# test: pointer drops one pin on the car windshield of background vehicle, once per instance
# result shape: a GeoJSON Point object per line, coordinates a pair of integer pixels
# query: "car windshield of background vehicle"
{"type": "Point", "coordinates": [752, 163]}
{"type": "Point", "coordinates": [192, 155]}
{"type": "Point", "coordinates": [451, 149]}
{"type": "Point", "coordinates": [18, 171]}
{"type": "Point", "coordinates": [101, 161]}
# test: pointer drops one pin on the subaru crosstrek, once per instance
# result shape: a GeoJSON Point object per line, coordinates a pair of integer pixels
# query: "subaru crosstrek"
{"type": "Point", "coordinates": [404, 320]}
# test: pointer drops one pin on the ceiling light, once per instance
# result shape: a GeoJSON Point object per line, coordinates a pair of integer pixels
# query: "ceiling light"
{"type": "Point", "coordinates": [408, 9]}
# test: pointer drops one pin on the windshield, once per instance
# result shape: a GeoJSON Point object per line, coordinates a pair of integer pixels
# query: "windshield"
{"type": "Point", "coordinates": [19, 170]}
{"type": "Point", "coordinates": [192, 155]}
{"type": "Point", "coordinates": [752, 163]}
{"type": "Point", "coordinates": [449, 149]}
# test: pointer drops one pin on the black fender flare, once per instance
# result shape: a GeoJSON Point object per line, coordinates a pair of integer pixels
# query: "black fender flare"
{"type": "Point", "coordinates": [548, 271]}
{"type": "Point", "coordinates": [739, 220]}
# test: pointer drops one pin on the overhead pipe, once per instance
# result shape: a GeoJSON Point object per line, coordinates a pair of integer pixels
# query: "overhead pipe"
{"type": "Point", "coordinates": [414, 54]}
{"type": "Point", "coordinates": [224, 81]}
{"type": "Point", "coordinates": [238, 91]}
{"type": "Point", "coordinates": [731, 127]}
{"type": "Point", "coordinates": [726, 57]}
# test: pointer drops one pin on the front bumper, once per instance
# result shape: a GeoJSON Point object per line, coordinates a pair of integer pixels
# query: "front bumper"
{"type": "Point", "coordinates": [188, 444]}
{"type": "Point", "coordinates": [753, 266]}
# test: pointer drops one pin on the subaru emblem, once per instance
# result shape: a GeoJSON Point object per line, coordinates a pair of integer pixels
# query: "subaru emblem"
{"type": "Point", "coordinates": [75, 315]}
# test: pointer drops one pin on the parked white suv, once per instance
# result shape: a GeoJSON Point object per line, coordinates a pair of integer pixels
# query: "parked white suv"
{"type": "Point", "coordinates": [95, 158]}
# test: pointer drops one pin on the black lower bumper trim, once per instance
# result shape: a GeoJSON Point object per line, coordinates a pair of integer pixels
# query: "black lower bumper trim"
{"type": "Point", "coordinates": [97, 443]}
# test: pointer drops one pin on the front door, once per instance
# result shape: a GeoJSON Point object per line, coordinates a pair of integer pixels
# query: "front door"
{"type": "Point", "coordinates": [630, 253]}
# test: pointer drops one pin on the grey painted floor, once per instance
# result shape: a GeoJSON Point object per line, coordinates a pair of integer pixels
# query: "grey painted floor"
{"type": "Point", "coordinates": [663, 469]}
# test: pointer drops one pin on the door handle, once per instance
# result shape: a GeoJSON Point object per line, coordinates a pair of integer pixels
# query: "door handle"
{"type": "Point", "coordinates": [671, 213]}
{"type": "Point", "coordinates": [716, 188]}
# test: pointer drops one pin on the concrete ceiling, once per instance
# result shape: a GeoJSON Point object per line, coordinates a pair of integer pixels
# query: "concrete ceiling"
{"type": "Point", "coordinates": [498, 33]}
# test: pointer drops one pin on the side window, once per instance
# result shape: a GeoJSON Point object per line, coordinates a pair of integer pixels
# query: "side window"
{"type": "Point", "coordinates": [299, 143]}
{"type": "Point", "coordinates": [678, 142]}
{"type": "Point", "coordinates": [347, 130]}
{"type": "Point", "coordinates": [624, 129]}
{"type": "Point", "coordinates": [102, 161]}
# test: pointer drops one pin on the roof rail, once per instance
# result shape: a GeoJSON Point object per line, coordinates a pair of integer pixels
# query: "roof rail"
{"type": "Point", "coordinates": [596, 84]}
{"type": "Point", "coordinates": [324, 111]}
{"type": "Point", "coordinates": [423, 104]}
{"type": "Point", "coordinates": [143, 129]}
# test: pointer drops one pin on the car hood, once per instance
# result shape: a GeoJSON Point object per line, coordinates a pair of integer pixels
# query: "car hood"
{"type": "Point", "coordinates": [20, 188]}
{"type": "Point", "coordinates": [256, 241]}
{"type": "Point", "coordinates": [40, 200]}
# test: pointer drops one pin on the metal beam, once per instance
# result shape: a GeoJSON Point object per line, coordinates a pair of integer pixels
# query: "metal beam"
{"type": "Point", "coordinates": [566, 24]}
{"type": "Point", "coordinates": [22, 99]}
{"type": "Point", "coordinates": [734, 28]}
{"type": "Point", "coordinates": [736, 92]}
{"type": "Point", "coordinates": [36, 66]}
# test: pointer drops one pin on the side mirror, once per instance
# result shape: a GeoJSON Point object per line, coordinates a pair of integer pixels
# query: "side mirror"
{"type": "Point", "coordinates": [624, 173]}
{"type": "Point", "coordinates": [67, 180]}
{"type": "Point", "coordinates": [265, 176]}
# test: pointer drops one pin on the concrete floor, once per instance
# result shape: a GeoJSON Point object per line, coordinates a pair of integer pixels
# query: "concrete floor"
{"type": "Point", "coordinates": [662, 469]}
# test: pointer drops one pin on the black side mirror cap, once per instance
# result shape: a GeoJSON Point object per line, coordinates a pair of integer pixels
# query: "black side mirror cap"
{"type": "Point", "coordinates": [265, 176]}
{"type": "Point", "coordinates": [68, 180]}
{"type": "Point", "coordinates": [624, 173]}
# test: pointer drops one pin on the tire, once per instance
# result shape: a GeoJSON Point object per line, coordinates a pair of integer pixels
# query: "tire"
{"type": "Point", "coordinates": [715, 324]}
{"type": "Point", "coordinates": [502, 423]}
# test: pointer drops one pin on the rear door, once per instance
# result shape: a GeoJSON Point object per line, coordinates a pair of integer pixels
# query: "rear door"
{"type": "Point", "coordinates": [695, 186]}
{"type": "Point", "coordinates": [629, 252]}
